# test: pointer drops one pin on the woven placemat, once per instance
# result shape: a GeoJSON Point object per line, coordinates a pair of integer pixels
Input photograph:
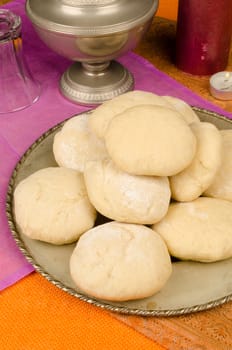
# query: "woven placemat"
{"type": "Point", "coordinates": [206, 330]}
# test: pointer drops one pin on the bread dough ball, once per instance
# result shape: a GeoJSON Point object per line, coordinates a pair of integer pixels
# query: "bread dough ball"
{"type": "Point", "coordinates": [75, 144]}
{"type": "Point", "coordinates": [198, 176]}
{"type": "Point", "coordinates": [103, 114]}
{"type": "Point", "coordinates": [51, 205]}
{"type": "Point", "coordinates": [183, 108]}
{"type": "Point", "coordinates": [118, 261]}
{"type": "Point", "coordinates": [222, 183]}
{"type": "Point", "coordinates": [150, 140]}
{"type": "Point", "coordinates": [124, 197]}
{"type": "Point", "coordinates": [200, 230]}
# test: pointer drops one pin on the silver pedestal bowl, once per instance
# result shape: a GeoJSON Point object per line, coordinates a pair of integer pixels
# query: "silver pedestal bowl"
{"type": "Point", "coordinates": [92, 33]}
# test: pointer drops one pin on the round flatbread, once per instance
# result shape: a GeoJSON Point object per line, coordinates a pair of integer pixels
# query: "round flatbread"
{"type": "Point", "coordinates": [118, 261]}
{"type": "Point", "coordinates": [52, 205]}
{"type": "Point", "coordinates": [199, 175]}
{"type": "Point", "coordinates": [183, 108]}
{"type": "Point", "coordinates": [124, 197]}
{"type": "Point", "coordinates": [222, 183]}
{"type": "Point", "coordinates": [103, 114]}
{"type": "Point", "coordinates": [150, 140]}
{"type": "Point", "coordinates": [200, 230]}
{"type": "Point", "coordinates": [75, 144]}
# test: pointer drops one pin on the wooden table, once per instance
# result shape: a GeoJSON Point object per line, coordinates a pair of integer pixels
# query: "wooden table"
{"type": "Point", "coordinates": [158, 46]}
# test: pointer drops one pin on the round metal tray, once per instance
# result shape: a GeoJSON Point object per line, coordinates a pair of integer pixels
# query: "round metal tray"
{"type": "Point", "coordinates": [192, 287]}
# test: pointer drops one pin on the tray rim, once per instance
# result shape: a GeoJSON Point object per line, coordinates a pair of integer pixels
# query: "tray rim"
{"type": "Point", "coordinates": [90, 300]}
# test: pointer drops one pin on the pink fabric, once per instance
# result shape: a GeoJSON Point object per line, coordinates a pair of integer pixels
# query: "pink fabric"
{"type": "Point", "coordinates": [20, 129]}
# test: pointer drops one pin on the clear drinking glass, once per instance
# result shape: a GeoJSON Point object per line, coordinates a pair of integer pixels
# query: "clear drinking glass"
{"type": "Point", "coordinates": [18, 89]}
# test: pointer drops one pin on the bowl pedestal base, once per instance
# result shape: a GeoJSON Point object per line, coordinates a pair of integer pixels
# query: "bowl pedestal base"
{"type": "Point", "coordinates": [94, 83]}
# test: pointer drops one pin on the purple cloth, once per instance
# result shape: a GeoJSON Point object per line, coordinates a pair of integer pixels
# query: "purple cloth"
{"type": "Point", "coordinates": [20, 129]}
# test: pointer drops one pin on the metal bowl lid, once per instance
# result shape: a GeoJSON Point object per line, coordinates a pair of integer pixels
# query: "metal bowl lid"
{"type": "Point", "coordinates": [90, 17]}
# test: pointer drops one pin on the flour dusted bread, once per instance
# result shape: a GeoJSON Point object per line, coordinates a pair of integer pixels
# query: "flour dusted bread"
{"type": "Point", "coordinates": [118, 261]}
{"type": "Point", "coordinates": [200, 230]}
{"type": "Point", "coordinates": [124, 197]}
{"type": "Point", "coordinates": [150, 140]}
{"type": "Point", "coordinates": [183, 108]}
{"type": "Point", "coordinates": [75, 144]}
{"type": "Point", "coordinates": [198, 176]}
{"type": "Point", "coordinates": [51, 205]}
{"type": "Point", "coordinates": [102, 115]}
{"type": "Point", "coordinates": [222, 183]}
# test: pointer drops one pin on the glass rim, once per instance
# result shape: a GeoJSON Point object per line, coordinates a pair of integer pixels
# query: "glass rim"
{"type": "Point", "coordinates": [10, 25]}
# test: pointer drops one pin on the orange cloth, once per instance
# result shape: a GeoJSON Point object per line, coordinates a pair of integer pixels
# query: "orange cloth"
{"type": "Point", "coordinates": [168, 9]}
{"type": "Point", "coordinates": [36, 315]}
